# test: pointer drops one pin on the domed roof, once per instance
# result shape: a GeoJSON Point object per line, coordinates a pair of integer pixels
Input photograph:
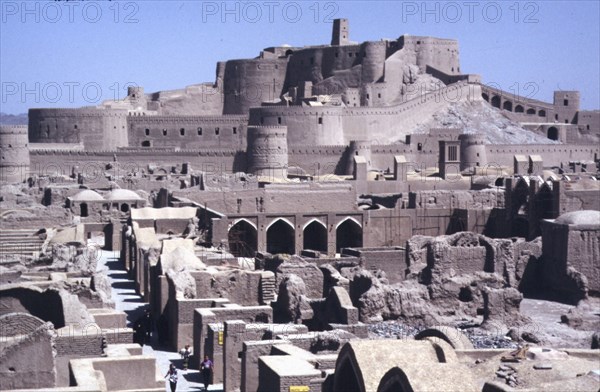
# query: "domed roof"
{"type": "Point", "coordinates": [585, 217]}
{"type": "Point", "coordinates": [87, 195]}
{"type": "Point", "coordinates": [123, 194]}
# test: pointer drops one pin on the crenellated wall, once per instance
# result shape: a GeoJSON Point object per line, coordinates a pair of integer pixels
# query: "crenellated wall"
{"type": "Point", "coordinates": [97, 129]}
{"type": "Point", "coordinates": [552, 154]}
{"type": "Point", "coordinates": [187, 132]}
{"type": "Point", "coordinates": [441, 54]}
{"type": "Point", "coordinates": [305, 125]}
{"type": "Point", "coordinates": [93, 163]}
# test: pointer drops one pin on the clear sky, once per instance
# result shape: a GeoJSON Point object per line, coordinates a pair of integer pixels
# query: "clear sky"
{"type": "Point", "coordinates": [76, 53]}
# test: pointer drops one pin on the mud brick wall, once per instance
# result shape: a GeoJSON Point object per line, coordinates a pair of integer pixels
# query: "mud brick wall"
{"type": "Point", "coordinates": [82, 345]}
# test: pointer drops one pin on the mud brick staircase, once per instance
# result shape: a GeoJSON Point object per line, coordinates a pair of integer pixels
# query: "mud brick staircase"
{"type": "Point", "coordinates": [19, 242]}
{"type": "Point", "coordinates": [267, 287]}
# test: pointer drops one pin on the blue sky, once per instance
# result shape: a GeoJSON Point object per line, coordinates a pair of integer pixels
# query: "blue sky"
{"type": "Point", "coordinates": [70, 54]}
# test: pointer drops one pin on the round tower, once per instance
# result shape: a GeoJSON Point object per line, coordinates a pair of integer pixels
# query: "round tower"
{"type": "Point", "coordinates": [472, 151]}
{"type": "Point", "coordinates": [267, 151]}
{"type": "Point", "coordinates": [14, 153]}
{"type": "Point", "coordinates": [361, 148]}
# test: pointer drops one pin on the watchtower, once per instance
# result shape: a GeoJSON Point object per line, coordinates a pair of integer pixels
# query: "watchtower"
{"type": "Point", "coordinates": [341, 32]}
{"type": "Point", "coordinates": [14, 151]}
{"type": "Point", "coordinates": [449, 158]}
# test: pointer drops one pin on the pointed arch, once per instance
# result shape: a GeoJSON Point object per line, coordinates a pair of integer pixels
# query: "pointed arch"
{"type": "Point", "coordinates": [281, 237]}
{"type": "Point", "coordinates": [238, 220]}
{"type": "Point", "coordinates": [348, 234]}
{"type": "Point", "coordinates": [347, 219]}
{"type": "Point", "coordinates": [314, 236]}
{"type": "Point", "coordinates": [395, 380]}
{"type": "Point", "coordinates": [286, 220]}
{"type": "Point", "coordinates": [242, 238]}
{"type": "Point", "coordinates": [314, 220]}
{"type": "Point", "coordinates": [348, 375]}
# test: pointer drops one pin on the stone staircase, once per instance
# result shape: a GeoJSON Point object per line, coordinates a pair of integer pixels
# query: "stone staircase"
{"type": "Point", "coordinates": [267, 287]}
{"type": "Point", "coordinates": [19, 242]}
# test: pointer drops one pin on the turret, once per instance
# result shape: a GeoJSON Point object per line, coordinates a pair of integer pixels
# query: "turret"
{"type": "Point", "coordinates": [472, 151]}
{"type": "Point", "coordinates": [267, 151]}
{"type": "Point", "coordinates": [358, 148]}
{"type": "Point", "coordinates": [14, 153]}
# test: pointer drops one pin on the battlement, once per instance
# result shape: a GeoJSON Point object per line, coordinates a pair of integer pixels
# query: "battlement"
{"type": "Point", "coordinates": [142, 152]}
{"type": "Point", "coordinates": [14, 129]}
{"type": "Point", "coordinates": [472, 139]}
{"type": "Point", "coordinates": [418, 40]}
{"type": "Point", "coordinates": [232, 118]}
{"type": "Point", "coordinates": [267, 127]}
{"type": "Point", "coordinates": [320, 150]}
{"type": "Point", "coordinates": [82, 112]}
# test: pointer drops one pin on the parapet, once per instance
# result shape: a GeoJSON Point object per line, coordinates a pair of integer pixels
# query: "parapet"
{"type": "Point", "coordinates": [13, 129]}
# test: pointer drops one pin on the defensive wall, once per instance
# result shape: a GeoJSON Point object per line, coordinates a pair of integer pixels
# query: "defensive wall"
{"type": "Point", "coordinates": [97, 129]}
{"type": "Point", "coordinates": [93, 163]}
{"type": "Point", "coordinates": [330, 125]}
{"type": "Point", "coordinates": [314, 160]}
{"type": "Point", "coordinates": [189, 132]}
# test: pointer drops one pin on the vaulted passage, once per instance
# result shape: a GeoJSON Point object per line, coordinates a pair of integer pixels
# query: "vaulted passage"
{"type": "Point", "coordinates": [281, 238]}
{"type": "Point", "coordinates": [496, 101]}
{"type": "Point", "coordinates": [346, 379]}
{"type": "Point", "coordinates": [242, 239]}
{"type": "Point", "coordinates": [395, 380]}
{"type": "Point", "coordinates": [553, 133]}
{"type": "Point", "coordinates": [507, 106]}
{"type": "Point", "coordinates": [348, 235]}
{"type": "Point", "coordinates": [83, 210]}
{"type": "Point", "coordinates": [315, 237]}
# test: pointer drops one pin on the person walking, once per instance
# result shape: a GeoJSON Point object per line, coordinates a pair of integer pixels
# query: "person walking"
{"type": "Point", "coordinates": [185, 353]}
{"type": "Point", "coordinates": [172, 375]}
{"type": "Point", "coordinates": [207, 369]}
{"type": "Point", "coordinates": [148, 325]}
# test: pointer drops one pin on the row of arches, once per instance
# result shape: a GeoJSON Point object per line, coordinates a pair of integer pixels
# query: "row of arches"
{"type": "Point", "coordinates": [281, 237]}
{"type": "Point", "coordinates": [497, 102]}
{"type": "Point", "coordinates": [84, 210]}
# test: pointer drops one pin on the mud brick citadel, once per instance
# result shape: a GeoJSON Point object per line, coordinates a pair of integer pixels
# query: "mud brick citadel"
{"type": "Point", "coordinates": [343, 217]}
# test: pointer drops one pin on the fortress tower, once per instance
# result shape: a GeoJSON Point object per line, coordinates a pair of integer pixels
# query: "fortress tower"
{"type": "Point", "coordinates": [267, 151]}
{"type": "Point", "coordinates": [14, 153]}
{"type": "Point", "coordinates": [566, 105]}
{"type": "Point", "coordinates": [136, 96]}
{"type": "Point", "coordinates": [341, 32]}
{"type": "Point", "coordinates": [472, 151]}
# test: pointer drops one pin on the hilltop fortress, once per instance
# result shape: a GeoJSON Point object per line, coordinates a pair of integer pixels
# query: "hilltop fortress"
{"type": "Point", "coordinates": [326, 98]}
